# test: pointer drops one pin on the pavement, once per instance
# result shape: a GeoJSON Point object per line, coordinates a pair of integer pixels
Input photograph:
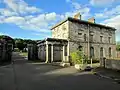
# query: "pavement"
{"type": "Point", "coordinates": [25, 75]}
{"type": "Point", "coordinates": [108, 73]}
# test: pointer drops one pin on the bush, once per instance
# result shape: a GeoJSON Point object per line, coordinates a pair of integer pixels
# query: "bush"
{"type": "Point", "coordinates": [93, 61]}
{"type": "Point", "coordinates": [77, 57]}
{"type": "Point", "coordinates": [16, 50]}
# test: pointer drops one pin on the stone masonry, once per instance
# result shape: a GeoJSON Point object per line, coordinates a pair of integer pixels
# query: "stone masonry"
{"type": "Point", "coordinates": [96, 40]}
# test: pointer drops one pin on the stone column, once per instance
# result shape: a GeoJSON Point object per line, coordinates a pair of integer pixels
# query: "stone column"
{"type": "Point", "coordinates": [68, 52]}
{"type": "Point", "coordinates": [47, 52]}
{"type": "Point", "coordinates": [39, 52]}
{"type": "Point", "coordinates": [52, 51]}
{"type": "Point", "coordinates": [63, 53]}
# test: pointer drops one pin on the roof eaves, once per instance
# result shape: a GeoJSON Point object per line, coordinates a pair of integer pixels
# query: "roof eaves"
{"type": "Point", "coordinates": [59, 23]}
{"type": "Point", "coordinates": [73, 19]}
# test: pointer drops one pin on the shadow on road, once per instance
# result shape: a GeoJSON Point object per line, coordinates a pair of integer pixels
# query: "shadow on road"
{"type": "Point", "coordinates": [42, 76]}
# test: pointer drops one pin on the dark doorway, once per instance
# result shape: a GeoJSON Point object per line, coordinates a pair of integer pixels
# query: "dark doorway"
{"type": "Point", "coordinates": [110, 52]}
{"type": "Point", "coordinates": [91, 52]}
{"type": "Point", "coordinates": [101, 52]}
{"type": "Point", "coordinates": [49, 53]}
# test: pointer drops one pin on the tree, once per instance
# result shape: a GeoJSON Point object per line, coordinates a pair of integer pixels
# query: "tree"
{"type": "Point", "coordinates": [118, 46]}
{"type": "Point", "coordinates": [22, 43]}
{"type": "Point", "coordinates": [19, 43]}
{"type": "Point", "coordinates": [77, 57]}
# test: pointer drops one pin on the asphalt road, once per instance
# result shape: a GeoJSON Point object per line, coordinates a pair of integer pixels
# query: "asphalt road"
{"type": "Point", "coordinates": [32, 76]}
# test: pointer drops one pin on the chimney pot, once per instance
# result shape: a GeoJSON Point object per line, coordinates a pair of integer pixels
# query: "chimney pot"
{"type": "Point", "coordinates": [77, 16]}
{"type": "Point", "coordinates": [92, 20]}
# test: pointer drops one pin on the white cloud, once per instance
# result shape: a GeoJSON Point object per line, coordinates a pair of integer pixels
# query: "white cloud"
{"type": "Point", "coordinates": [1, 19]}
{"type": "Point", "coordinates": [20, 6]}
{"type": "Point", "coordinates": [6, 12]}
{"type": "Point", "coordinates": [1, 33]}
{"type": "Point", "coordinates": [113, 22]}
{"type": "Point", "coordinates": [51, 16]}
{"type": "Point", "coordinates": [42, 34]}
{"type": "Point", "coordinates": [18, 12]}
{"type": "Point", "coordinates": [77, 7]}
{"type": "Point", "coordinates": [38, 23]}
{"type": "Point", "coordinates": [108, 13]}
{"type": "Point", "coordinates": [102, 2]}
{"type": "Point", "coordinates": [15, 20]}
{"type": "Point", "coordinates": [13, 14]}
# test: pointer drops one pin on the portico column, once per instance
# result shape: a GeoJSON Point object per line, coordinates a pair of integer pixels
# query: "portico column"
{"type": "Point", "coordinates": [63, 53]}
{"type": "Point", "coordinates": [52, 51]}
{"type": "Point", "coordinates": [68, 51]}
{"type": "Point", "coordinates": [46, 52]}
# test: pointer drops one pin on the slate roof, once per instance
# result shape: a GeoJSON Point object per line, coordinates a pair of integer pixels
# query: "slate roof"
{"type": "Point", "coordinates": [82, 21]}
{"type": "Point", "coordinates": [52, 39]}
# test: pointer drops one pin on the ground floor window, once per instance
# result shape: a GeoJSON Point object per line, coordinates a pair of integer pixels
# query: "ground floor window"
{"type": "Point", "coordinates": [101, 52]}
{"type": "Point", "coordinates": [110, 52]}
{"type": "Point", "coordinates": [91, 52]}
{"type": "Point", "coordinates": [80, 48]}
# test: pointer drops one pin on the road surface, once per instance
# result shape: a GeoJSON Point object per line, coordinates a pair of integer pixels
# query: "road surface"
{"type": "Point", "coordinates": [24, 75]}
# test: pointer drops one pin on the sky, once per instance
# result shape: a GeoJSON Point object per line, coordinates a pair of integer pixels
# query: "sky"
{"type": "Point", "coordinates": [32, 19]}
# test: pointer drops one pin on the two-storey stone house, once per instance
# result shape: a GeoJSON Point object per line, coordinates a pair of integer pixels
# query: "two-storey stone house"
{"type": "Point", "coordinates": [95, 40]}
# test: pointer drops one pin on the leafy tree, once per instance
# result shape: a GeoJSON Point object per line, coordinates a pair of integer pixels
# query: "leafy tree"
{"type": "Point", "coordinates": [118, 46]}
{"type": "Point", "coordinates": [77, 57]}
{"type": "Point", "coordinates": [19, 43]}
{"type": "Point", "coordinates": [22, 43]}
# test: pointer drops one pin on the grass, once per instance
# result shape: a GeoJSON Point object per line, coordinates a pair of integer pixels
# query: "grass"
{"type": "Point", "coordinates": [25, 54]}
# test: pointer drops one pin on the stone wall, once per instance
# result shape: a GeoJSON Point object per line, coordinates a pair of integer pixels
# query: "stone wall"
{"type": "Point", "coordinates": [42, 53]}
{"type": "Point", "coordinates": [5, 52]}
{"type": "Point", "coordinates": [118, 54]}
{"type": "Point", "coordinates": [32, 52]}
{"type": "Point", "coordinates": [61, 31]}
{"type": "Point", "coordinates": [110, 64]}
{"type": "Point", "coordinates": [77, 38]}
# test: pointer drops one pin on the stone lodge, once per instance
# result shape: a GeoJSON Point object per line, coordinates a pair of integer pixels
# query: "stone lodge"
{"type": "Point", "coordinates": [95, 40]}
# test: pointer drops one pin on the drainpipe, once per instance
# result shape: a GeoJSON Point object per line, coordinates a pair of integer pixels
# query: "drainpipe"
{"type": "Point", "coordinates": [88, 42]}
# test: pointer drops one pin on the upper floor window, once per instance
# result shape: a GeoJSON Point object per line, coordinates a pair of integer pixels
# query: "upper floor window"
{"type": "Point", "coordinates": [85, 39]}
{"type": "Point", "coordinates": [79, 33]}
{"type": "Point", "coordinates": [101, 38]}
{"type": "Point", "coordinates": [109, 38]}
{"type": "Point", "coordinates": [91, 38]}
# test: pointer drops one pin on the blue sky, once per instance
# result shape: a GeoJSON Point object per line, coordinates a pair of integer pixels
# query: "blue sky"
{"type": "Point", "coordinates": [32, 19]}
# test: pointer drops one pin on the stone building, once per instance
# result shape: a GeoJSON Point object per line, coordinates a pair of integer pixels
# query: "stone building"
{"type": "Point", "coordinates": [6, 47]}
{"type": "Point", "coordinates": [95, 40]}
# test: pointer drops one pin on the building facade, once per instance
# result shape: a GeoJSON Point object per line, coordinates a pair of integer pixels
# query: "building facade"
{"type": "Point", "coordinates": [95, 40]}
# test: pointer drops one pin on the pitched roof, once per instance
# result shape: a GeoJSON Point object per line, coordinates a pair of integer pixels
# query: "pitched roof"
{"type": "Point", "coordinates": [52, 39]}
{"type": "Point", "coordinates": [82, 21]}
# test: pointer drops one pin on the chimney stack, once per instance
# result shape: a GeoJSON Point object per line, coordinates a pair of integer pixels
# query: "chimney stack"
{"type": "Point", "coordinates": [77, 16]}
{"type": "Point", "coordinates": [92, 20]}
